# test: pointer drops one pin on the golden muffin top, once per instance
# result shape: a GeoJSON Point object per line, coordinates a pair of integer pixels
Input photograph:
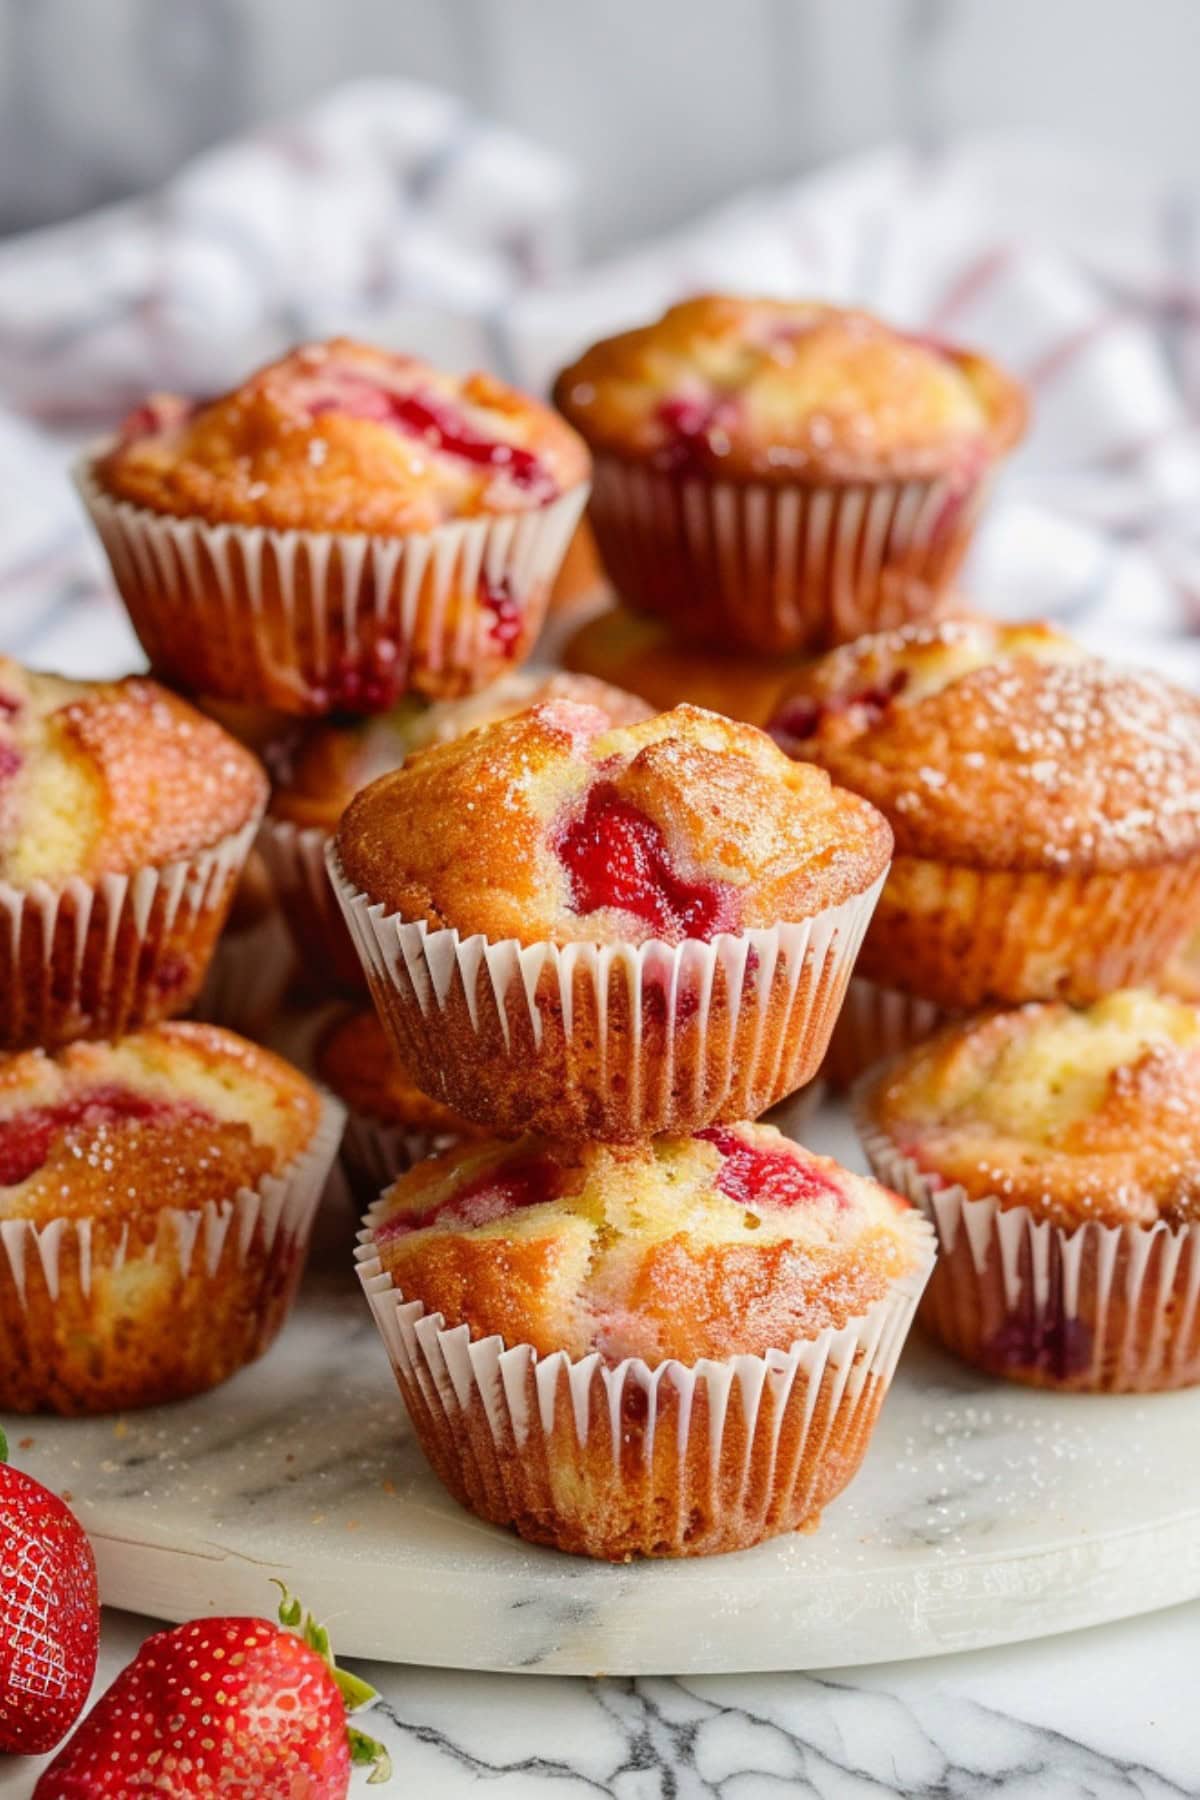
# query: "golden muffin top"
{"type": "Point", "coordinates": [1007, 746]}
{"type": "Point", "coordinates": [178, 1115]}
{"type": "Point", "coordinates": [734, 1241]}
{"type": "Point", "coordinates": [340, 436]}
{"type": "Point", "coordinates": [558, 826]}
{"type": "Point", "coordinates": [786, 390]}
{"type": "Point", "coordinates": [1088, 1114]}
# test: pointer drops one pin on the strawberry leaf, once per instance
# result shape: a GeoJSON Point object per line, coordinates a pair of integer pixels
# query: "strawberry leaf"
{"type": "Point", "coordinates": [290, 1611]}
{"type": "Point", "coordinates": [354, 1691]}
{"type": "Point", "coordinates": [366, 1750]}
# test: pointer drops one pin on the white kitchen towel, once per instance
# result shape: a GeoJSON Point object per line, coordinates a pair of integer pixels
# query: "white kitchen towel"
{"type": "Point", "coordinates": [390, 212]}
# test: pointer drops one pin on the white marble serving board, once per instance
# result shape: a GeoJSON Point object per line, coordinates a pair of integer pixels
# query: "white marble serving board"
{"type": "Point", "coordinates": [983, 1514]}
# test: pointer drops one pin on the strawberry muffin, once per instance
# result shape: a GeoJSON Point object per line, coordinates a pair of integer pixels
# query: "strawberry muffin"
{"type": "Point", "coordinates": [1046, 808]}
{"type": "Point", "coordinates": [390, 1123]}
{"type": "Point", "coordinates": [644, 654]}
{"type": "Point", "coordinates": [156, 1197]}
{"type": "Point", "coordinates": [781, 475]}
{"type": "Point", "coordinates": [608, 931]}
{"type": "Point", "coordinates": [317, 776]}
{"type": "Point", "coordinates": [668, 1349]}
{"type": "Point", "coordinates": [1057, 1152]}
{"type": "Point", "coordinates": [348, 526]}
{"type": "Point", "coordinates": [125, 820]}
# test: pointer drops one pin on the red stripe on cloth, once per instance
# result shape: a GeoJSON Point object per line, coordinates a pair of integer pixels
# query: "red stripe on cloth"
{"type": "Point", "coordinates": [975, 280]}
{"type": "Point", "coordinates": [1061, 355]}
{"type": "Point", "coordinates": [1128, 455]}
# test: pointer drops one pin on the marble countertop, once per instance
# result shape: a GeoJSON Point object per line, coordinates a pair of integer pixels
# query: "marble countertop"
{"type": "Point", "coordinates": [1107, 1713]}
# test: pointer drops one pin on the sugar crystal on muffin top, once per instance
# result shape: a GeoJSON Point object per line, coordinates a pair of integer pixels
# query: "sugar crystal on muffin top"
{"type": "Point", "coordinates": [555, 825]}
{"type": "Point", "coordinates": [735, 1240]}
{"type": "Point", "coordinates": [1004, 745]}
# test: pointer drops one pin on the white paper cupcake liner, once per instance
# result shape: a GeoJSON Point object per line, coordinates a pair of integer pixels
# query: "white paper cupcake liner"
{"type": "Point", "coordinates": [295, 858]}
{"type": "Point", "coordinates": [972, 937]}
{"type": "Point", "coordinates": [774, 568]}
{"type": "Point", "coordinates": [608, 1040]}
{"type": "Point", "coordinates": [629, 1460]}
{"type": "Point", "coordinates": [1101, 1308]}
{"type": "Point", "coordinates": [55, 1354]}
{"type": "Point", "coordinates": [373, 1152]}
{"type": "Point", "coordinates": [247, 978]}
{"type": "Point", "coordinates": [876, 1023]}
{"type": "Point", "coordinates": [279, 617]}
{"type": "Point", "coordinates": [97, 959]}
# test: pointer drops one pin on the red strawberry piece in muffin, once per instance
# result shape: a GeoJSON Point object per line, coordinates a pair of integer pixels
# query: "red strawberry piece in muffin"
{"type": "Point", "coordinates": [178, 1168]}
{"type": "Point", "coordinates": [319, 773]}
{"type": "Point", "coordinates": [692, 860]}
{"type": "Point", "coordinates": [639, 1267]}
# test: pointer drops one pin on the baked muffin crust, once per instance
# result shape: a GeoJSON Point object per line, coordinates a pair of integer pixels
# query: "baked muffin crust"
{"type": "Point", "coordinates": [736, 1241]}
{"type": "Point", "coordinates": [321, 774]}
{"type": "Point", "coordinates": [788, 390]}
{"type": "Point", "coordinates": [643, 654]}
{"type": "Point", "coordinates": [997, 746]}
{"type": "Point", "coordinates": [1076, 1115]}
{"type": "Point", "coordinates": [355, 1058]}
{"type": "Point", "coordinates": [177, 1115]}
{"type": "Point", "coordinates": [555, 825]}
{"type": "Point", "coordinates": [100, 777]}
{"type": "Point", "coordinates": [340, 436]}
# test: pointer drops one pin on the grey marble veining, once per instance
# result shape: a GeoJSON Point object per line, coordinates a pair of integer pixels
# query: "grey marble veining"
{"type": "Point", "coordinates": [1108, 1714]}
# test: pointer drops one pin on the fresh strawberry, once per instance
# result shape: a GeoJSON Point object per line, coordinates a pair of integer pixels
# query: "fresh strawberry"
{"type": "Point", "coordinates": [49, 1614]}
{"type": "Point", "coordinates": [233, 1707]}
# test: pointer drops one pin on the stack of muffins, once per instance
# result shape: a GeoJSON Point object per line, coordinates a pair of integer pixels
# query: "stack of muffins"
{"type": "Point", "coordinates": [1046, 809]}
{"type": "Point", "coordinates": [626, 1318]}
{"type": "Point", "coordinates": [559, 952]}
{"type": "Point", "coordinates": [633, 1322]}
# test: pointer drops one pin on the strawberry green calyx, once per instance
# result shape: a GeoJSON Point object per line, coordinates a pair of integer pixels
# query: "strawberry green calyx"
{"type": "Point", "coordinates": [3, 1446]}
{"type": "Point", "coordinates": [355, 1692]}
{"type": "Point", "coordinates": [368, 1751]}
